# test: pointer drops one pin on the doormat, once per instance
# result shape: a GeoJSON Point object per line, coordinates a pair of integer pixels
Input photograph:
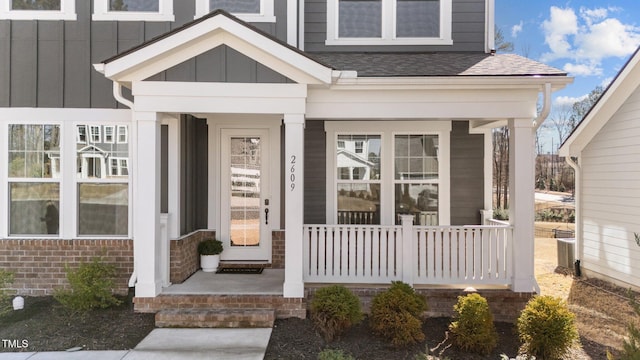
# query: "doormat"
{"type": "Point", "coordinates": [234, 270]}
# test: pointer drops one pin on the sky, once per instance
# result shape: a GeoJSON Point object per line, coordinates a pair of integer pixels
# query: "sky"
{"type": "Point", "coordinates": [589, 39]}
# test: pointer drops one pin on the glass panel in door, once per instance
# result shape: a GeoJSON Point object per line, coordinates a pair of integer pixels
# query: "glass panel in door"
{"type": "Point", "coordinates": [245, 175]}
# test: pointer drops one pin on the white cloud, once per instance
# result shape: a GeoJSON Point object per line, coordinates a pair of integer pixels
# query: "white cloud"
{"type": "Point", "coordinates": [516, 29]}
{"type": "Point", "coordinates": [567, 101]}
{"type": "Point", "coordinates": [591, 69]}
{"type": "Point", "coordinates": [605, 82]}
{"type": "Point", "coordinates": [587, 39]}
{"type": "Point", "coordinates": [562, 24]}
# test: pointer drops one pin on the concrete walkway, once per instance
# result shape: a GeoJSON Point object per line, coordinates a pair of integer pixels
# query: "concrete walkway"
{"type": "Point", "coordinates": [219, 344]}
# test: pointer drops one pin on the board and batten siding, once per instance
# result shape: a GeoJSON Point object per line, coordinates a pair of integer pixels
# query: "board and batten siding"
{"type": "Point", "coordinates": [467, 31]}
{"type": "Point", "coordinates": [611, 197]}
{"type": "Point", "coordinates": [50, 63]}
{"type": "Point", "coordinates": [467, 175]}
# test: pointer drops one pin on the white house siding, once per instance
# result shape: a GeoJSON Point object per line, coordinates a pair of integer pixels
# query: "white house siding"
{"type": "Point", "coordinates": [611, 197]}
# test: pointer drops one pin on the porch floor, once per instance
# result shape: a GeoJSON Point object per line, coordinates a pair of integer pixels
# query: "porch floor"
{"type": "Point", "coordinates": [201, 283]}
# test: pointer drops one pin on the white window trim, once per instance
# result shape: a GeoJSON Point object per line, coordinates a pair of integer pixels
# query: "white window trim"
{"type": "Point", "coordinates": [79, 139]}
{"type": "Point", "coordinates": [126, 134]}
{"type": "Point", "coordinates": [113, 134]}
{"type": "Point", "coordinates": [389, 27]}
{"type": "Point", "coordinates": [97, 138]}
{"type": "Point", "coordinates": [387, 131]}
{"type": "Point", "coordinates": [101, 12]}
{"type": "Point", "coordinates": [118, 166]}
{"type": "Point", "coordinates": [266, 12]}
{"type": "Point", "coordinates": [67, 12]}
{"type": "Point", "coordinates": [67, 119]}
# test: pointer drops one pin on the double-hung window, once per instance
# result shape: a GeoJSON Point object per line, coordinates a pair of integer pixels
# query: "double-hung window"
{"type": "Point", "coordinates": [386, 22]}
{"type": "Point", "coordinates": [247, 10]}
{"type": "Point", "coordinates": [38, 9]}
{"type": "Point", "coordinates": [34, 179]}
{"type": "Point", "coordinates": [390, 169]}
{"type": "Point", "coordinates": [103, 182]}
{"type": "Point", "coordinates": [358, 179]}
{"type": "Point", "coordinates": [416, 177]}
{"type": "Point", "coordinates": [133, 10]}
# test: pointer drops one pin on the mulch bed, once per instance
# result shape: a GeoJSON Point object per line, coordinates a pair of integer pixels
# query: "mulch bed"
{"type": "Point", "coordinates": [44, 325]}
{"type": "Point", "coordinates": [297, 339]}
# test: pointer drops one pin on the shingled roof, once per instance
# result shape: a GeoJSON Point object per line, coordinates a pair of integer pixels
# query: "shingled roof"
{"type": "Point", "coordinates": [435, 64]}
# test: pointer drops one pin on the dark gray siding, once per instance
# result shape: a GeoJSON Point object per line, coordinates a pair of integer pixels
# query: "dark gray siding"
{"type": "Point", "coordinates": [315, 187]}
{"type": "Point", "coordinates": [468, 18]}
{"type": "Point", "coordinates": [467, 175]}
{"type": "Point", "coordinates": [193, 174]}
{"type": "Point", "coordinates": [49, 63]}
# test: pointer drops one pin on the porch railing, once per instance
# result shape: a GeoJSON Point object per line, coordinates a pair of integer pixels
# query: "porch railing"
{"type": "Point", "coordinates": [429, 255]}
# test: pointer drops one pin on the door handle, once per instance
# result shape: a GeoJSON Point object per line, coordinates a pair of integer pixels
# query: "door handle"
{"type": "Point", "coordinates": [266, 216]}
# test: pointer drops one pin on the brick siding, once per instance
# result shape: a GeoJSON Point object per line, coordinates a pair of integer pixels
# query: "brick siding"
{"type": "Point", "coordinates": [284, 307]}
{"type": "Point", "coordinates": [184, 257]}
{"type": "Point", "coordinates": [277, 253]}
{"type": "Point", "coordinates": [38, 265]}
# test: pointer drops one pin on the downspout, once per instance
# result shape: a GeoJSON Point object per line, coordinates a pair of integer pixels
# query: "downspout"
{"type": "Point", "coordinates": [577, 170]}
{"type": "Point", "coordinates": [117, 94]}
{"type": "Point", "coordinates": [546, 107]}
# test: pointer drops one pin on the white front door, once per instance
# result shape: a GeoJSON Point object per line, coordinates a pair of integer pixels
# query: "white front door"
{"type": "Point", "coordinates": [245, 174]}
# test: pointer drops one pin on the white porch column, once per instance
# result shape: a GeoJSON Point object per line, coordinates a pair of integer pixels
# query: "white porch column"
{"type": "Point", "coordinates": [146, 200]}
{"type": "Point", "coordinates": [521, 202]}
{"type": "Point", "coordinates": [294, 204]}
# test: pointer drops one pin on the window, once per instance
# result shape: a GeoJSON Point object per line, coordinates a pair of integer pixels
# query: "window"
{"type": "Point", "coordinates": [133, 10]}
{"type": "Point", "coordinates": [247, 10]}
{"type": "Point", "coordinates": [387, 22]}
{"type": "Point", "coordinates": [34, 185]}
{"type": "Point", "coordinates": [358, 179]}
{"type": "Point", "coordinates": [81, 134]}
{"type": "Point", "coordinates": [416, 177]}
{"type": "Point", "coordinates": [393, 168]}
{"type": "Point", "coordinates": [38, 9]}
{"type": "Point", "coordinates": [122, 134]}
{"type": "Point", "coordinates": [109, 134]}
{"type": "Point", "coordinates": [102, 179]}
{"type": "Point", "coordinates": [94, 131]}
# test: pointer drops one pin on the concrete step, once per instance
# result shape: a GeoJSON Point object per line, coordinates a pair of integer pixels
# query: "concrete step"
{"type": "Point", "coordinates": [215, 318]}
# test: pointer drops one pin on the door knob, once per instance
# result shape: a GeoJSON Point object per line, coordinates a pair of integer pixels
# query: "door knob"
{"type": "Point", "coordinates": [266, 216]}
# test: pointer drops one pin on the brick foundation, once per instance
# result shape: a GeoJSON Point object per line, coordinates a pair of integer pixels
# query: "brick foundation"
{"type": "Point", "coordinates": [184, 257]}
{"type": "Point", "coordinates": [505, 304]}
{"type": "Point", "coordinates": [38, 265]}
{"type": "Point", "coordinates": [284, 307]}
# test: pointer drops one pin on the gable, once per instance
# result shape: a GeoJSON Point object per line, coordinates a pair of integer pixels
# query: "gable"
{"type": "Point", "coordinates": [222, 64]}
{"type": "Point", "coordinates": [614, 97]}
{"type": "Point", "coordinates": [202, 35]}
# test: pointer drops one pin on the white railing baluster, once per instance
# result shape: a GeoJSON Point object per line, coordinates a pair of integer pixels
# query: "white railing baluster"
{"type": "Point", "coordinates": [438, 255]}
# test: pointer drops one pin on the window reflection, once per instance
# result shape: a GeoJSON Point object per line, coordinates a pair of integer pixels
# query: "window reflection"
{"type": "Point", "coordinates": [98, 155]}
{"type": "Point", "coordinates": [34, 208]}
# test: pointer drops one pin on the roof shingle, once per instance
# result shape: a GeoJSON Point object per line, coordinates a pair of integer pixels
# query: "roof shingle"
{"type": "Point", "coordinates": [435, 64]}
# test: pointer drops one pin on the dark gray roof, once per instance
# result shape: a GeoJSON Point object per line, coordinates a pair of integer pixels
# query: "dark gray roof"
{"type": "Point", "coordinates": [435, 64]}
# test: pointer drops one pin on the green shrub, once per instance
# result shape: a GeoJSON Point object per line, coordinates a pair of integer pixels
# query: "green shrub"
{"type": "Point", "coordinates": [6, 278]}
{"type": "Point", "coordinates": [210, 247]}
{"type": "Point", "coordinates": [547, 328]}
{"type": "Point", "coordinates": [631, 345]}
{"type": "Point", "coordinates": [501, 214]}
{"type": "Point", "coordinates": [396, 314]}
{"type": "Point", "coordinates": [473, 329]}
{"type": "Point", "coordinates": [334, 309]}
{"type": "Point", "coordinates": [330, 354]}
{"type": "Point", "coordinates": [91, 287]}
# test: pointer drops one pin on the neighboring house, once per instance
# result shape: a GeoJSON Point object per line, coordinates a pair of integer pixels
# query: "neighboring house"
{"type": "Point", "coordinates": [299, 132]}
{"type": "Point", "coordinates": [607, 170]}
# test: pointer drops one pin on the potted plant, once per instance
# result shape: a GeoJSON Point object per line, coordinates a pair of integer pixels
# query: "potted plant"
{"type": "Point", "coordinates": [209, 251]}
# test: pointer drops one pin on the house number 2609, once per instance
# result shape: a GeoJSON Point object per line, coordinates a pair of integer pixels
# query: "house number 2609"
{"type": "Point", "coordinates": [292, 170]}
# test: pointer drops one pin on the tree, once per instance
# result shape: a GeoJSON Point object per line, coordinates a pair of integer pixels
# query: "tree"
{"type": "Point", "coordinates": [500, 43]}
{"type": "Point", "coordinates": [582, 107]}
{"type": "Point", "coordinates": [501, 166]}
